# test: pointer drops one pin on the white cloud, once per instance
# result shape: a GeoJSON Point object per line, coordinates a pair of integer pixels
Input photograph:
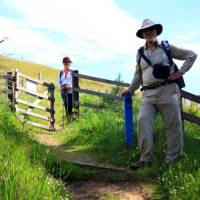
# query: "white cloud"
{"type": "Point", "coordinates": [24, 41]}
{"type": "Point", "coordinates": [91, 30]}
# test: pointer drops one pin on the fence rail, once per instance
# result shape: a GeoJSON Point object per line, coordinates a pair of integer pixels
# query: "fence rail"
{"type": "Point", "coordinates": [13, 90]}
{"type": "Point", "coordinates": [184, 95]}
{"type": "Point", "coordinates": [100, 94]}
{"type": "Point", "coordinates": [33, 79]}
{"type": "Point", "coordinates": [101, 80]}
{"type": "Point", "coordinates": [32, 105]}
{"type": "Point", "coordinates": [192, 98]}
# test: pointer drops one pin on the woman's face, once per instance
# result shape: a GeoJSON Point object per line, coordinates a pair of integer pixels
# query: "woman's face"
{"type": "Point", "coordinates": [67, 65]}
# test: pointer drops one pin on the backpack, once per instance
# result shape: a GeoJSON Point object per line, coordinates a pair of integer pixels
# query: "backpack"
{"type": "Point", "coordinates": [61, 73]}
{"type": "Point", "coordinates": [163, 69]}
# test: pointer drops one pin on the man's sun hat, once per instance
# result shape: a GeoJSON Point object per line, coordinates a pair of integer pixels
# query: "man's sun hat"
{"type": "Point", "coordinates": [146, 24]}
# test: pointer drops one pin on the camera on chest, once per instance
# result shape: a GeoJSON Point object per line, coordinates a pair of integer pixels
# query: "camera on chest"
{"type": "Point", "coordinates": [161, 71]}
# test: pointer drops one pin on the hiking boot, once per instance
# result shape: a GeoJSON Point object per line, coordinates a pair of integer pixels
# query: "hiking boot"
{"type": "Point", "coordinates": [70, 118]}
{"type": "Point", "coordinates": [169, 161]}
{"type": "Point", "coordinates": [140, 164]}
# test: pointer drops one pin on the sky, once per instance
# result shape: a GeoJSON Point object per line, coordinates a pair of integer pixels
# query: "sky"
{"type": "Point", "coordinates": [98, 35]}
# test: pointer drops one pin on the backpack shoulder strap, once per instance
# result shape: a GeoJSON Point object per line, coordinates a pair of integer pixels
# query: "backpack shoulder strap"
{"type": "Point", "coordinates": [139, 59]}
{"type": "Point", "coordinates": [61, 73]}
{"type": "Point", "coordinates": [141, 53]}
{"type": "Point", "coordinates": [180, 81]}
{"type": "Point", "coordinates": [166, 47]}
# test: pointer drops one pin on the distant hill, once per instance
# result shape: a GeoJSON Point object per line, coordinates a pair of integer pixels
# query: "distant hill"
{"type": "Point", "coordinates": [9, 64]}
{"type": "Point", "coordinates": [48, 73]}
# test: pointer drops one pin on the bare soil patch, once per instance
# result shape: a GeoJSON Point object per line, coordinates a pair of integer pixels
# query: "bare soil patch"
{"type": "Point", "coordinates": [94, 189]}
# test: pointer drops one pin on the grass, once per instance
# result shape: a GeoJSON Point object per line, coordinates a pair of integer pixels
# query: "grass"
{"type": "Point", "coordinates": [182, 179]}
{"type": "Point", "coordinates": [22, 161]}
{"type": "Point", "coordinates": [101, 135]}
{"type": "Point", "coordinates": [111, 197]}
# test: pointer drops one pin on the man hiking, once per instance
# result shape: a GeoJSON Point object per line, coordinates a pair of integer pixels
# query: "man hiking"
{"type": "Point", "coordinates": [160, 79]}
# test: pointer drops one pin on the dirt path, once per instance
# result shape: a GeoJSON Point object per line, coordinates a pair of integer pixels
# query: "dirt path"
{"type": "Point", "coordinates": [94, 190]}
{"type": "Point", "coordinates": [99, 190]}
{"type": "Point", "coordinates": [52, 142]}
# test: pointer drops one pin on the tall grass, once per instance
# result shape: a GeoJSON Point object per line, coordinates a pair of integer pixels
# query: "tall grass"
{"type": "Point", "coordinates": [181, 180]}
{"type": "Point", "coordinates": [22, 161]}
{"type": "Point", "coordinates": [101, 134]}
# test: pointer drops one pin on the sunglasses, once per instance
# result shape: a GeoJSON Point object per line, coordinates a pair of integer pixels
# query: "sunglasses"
{"type": "Point", "coordinates": [67, 63]}
{"type": "Point", "coordinates": [149, 29]}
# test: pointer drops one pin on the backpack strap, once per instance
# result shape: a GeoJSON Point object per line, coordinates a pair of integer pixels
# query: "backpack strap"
{"type": "Point", "coordinates": [180, 81]}
{"type": "Point", "coordinates": [61, 73]}
{"type": "Point", "coordinates": [141, 53]}
{"type": "Point", "coordinates": [166, 47]}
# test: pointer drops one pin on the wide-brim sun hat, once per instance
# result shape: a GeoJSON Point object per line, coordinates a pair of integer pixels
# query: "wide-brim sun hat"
{"type": "Point", "coordinates": [146, 24]}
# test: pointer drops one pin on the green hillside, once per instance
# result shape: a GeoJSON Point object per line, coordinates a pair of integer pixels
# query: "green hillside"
{"type": "Point", "coordinates": [31, 69]}
{"type": "Point", "coordinates": [100, 134]}
{"type": "Point", "coordinates": [48, 73]}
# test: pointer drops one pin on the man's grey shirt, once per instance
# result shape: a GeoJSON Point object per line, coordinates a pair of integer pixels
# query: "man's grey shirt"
{"type": "Point", "coordinates": [143, 73]}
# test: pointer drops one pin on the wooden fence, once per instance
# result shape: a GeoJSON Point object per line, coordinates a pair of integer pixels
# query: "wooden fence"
{"type": "Point", "coordinates": [15, 85]}
{"type": "Point", "coordinates": [184, 95]}
{"type": "Point", "coordinates": [78, 90]}
{"type": "Point", "coordinates": [13, 88]}
{"type": "Point", "coordinates": [192, 98]}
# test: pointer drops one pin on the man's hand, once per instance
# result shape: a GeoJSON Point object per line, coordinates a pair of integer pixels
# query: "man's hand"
{"type": "Point", "coordinates": [175, 75]}
{"type": "Point", "coordinates": [123, 91]}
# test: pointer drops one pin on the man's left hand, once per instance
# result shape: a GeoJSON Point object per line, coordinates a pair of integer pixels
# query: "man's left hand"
{"type": "Point", "coordinates": [175, 75]}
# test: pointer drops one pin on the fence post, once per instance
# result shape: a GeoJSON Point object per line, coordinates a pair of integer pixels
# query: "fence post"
{"type": "Point", "coordinates": [52, 111]}
{"type": "Point", "coordinates": [40, 76]}
{"type": "Point", "coordinates": [75, 95]}
{"type": "Point", "coordinates": [16, 84]}
{"type": "Point", "coordinates": [128, 119]}
{"type": "Point", "coordinates": [181, 108]}
{"type": "Point", "coordinates": [11, 79]}
{"type": "Point", "coordinates": [9, 82]}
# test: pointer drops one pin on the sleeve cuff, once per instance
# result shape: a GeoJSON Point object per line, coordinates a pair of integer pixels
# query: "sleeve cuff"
{"type": "Point", "coordinates": [182, 71]}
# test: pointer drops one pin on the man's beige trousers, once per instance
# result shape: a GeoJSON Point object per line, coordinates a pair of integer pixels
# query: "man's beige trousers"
{"type": "Point", "coordinates": [166, 100]}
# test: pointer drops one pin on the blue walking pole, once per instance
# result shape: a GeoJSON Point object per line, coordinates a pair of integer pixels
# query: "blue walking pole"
{"type": "Point", "coordinates": [128, 119]}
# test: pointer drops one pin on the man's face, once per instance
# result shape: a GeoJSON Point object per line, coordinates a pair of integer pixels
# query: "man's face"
{"type": "Point", "coordinates": [150, 34]}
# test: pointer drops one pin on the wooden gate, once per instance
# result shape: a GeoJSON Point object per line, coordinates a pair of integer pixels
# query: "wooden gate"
{"type": "Point", "coordinates": [21, 88]}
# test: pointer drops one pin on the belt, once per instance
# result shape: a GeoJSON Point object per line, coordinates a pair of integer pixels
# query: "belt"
{"type": "Point", "coordinates": [156, 85]}
{"type": "Point", "coordinates": [66, 86]}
